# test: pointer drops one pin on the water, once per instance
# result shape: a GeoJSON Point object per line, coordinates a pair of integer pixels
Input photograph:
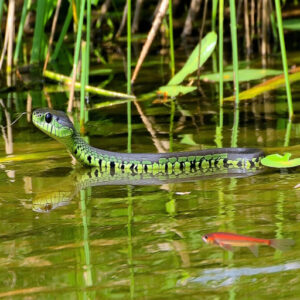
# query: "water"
{"type": "Point", "coordinates": [144, 241]}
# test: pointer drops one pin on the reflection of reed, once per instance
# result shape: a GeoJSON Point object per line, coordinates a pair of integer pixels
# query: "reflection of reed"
{"type": "Point", "coordinates": [7, 134]}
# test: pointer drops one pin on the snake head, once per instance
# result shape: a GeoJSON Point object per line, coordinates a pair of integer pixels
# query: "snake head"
{"type": "Point", "coordinates": [53, 122]}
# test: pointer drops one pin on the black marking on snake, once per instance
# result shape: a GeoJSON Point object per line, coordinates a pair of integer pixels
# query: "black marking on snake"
{"type": "Point", "coordinates": [240, 164]}
{"type": "Point", "coordinates": [112, 164]}
{"type": "Point", "coordinates": [181, 166]}
{"type": "Point", "coordinates": [89, 158]}
{"type": "Point", "coordinates": [166, 167]}
{"type": "Point", "coordinates": [193, 164]}
{"type": "Point", "coordinates": [145, 168]}
{"type": "Point", "coordinates": [75, 152]}
{"type": "Point", "coordinates": [100, 162]}
{"type": "Point", "coordinates": [96, 172]}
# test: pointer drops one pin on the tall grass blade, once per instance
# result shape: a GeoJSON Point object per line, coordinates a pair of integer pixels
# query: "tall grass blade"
{"type": "Point", "coordinates": [62, 34]}
{"type": "Point", "coordinates": [36, 52]}
{"type": "Point", "coordinates": [129, 74]}
{"type": "Point", "coordinates": [26, 5]}
{"type": "Point", "coordinates": [284, 59]}
{"type": "Point", "coordinates": [76, 56]}
{"type": "Point", "coordinates": [83, 83]}
{"type": "Point", "coordinates": [172, 55]}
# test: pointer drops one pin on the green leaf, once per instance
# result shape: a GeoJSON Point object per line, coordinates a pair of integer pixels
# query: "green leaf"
{"type": "Point", "coordinates": [244, 75]}
{"type": "Point", "coordinates": [188, 140]}
{"type": "Point", "coordinates": [208, 44]}
{"type": "Point", "coordinates": [175, 90]}
{"type": "Point", "coordinates": [270, 84]}
{"type": "Point", "coordinates": [280, 161]}
{"type": "Point", "coordinates": [291, 24]}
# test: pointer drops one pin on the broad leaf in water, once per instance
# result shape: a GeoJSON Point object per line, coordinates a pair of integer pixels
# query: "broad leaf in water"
{"type": "Point", "coordinates": [188, 140]}
{"type": "Point", "coordinates": [244, 75]}
{"type": "Point", "coordinates": [291, 24]}
{"type": "Point", "coordinates": [175, 90]}
{"type": "Point", "coordinates": [280, 161]}
{"type": "Point", "coordinates": [268, 85]}
{"type": "Point", "coordinates": [208, 44]}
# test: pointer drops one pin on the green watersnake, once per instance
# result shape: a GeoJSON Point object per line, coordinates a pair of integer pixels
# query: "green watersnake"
{"type": "Point", "coordinates": [57, 125]}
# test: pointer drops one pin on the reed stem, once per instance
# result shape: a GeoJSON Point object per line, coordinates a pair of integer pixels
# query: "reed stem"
{"type": "Point", "coordinates": [83, 83]}
{"type": "Point", "coordinates": [26, 5]}
{"type": "Point", "coordinates": [129, 74]}
{"type": "Point", "coordinates": [284, 59]}
{"type": "Point", "coordinates": [172, 55]}
{"type": "Point", "coordinates": [221, 21]}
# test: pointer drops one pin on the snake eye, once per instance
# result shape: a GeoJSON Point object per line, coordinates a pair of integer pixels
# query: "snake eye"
{"type": "Point", "coordinates": [48, 117]}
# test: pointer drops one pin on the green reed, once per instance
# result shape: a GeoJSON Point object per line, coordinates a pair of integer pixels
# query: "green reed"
{"type": "Point", "coordinates": [221, 21]}
{"type": "Point", "coordinates": [25, 8]}
{"type": "Point", "coordinates": [1, 10]}
{"type": "Point", "coordinates": [129, 74]}
{"type": "Point", "coordinates": [37, 49]}
{"type": "Point", "coordinates": [84, 71]}
{"type": "Point", "coordinates": [172, 55]}
{"type": "Point", "coordinates": [63, 33]}
{"type": "Point", "coordinates": [233, 30]}
{"type": "Point", "coordinates": [284, 59]}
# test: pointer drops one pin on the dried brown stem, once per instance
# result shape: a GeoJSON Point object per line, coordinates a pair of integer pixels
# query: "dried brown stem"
{"type": "Point", "coordinates": [192, 13]}
{"type": "Point", "coordinates": [52, 33]}
{"type": "Point", "coordinates": [156, 23]}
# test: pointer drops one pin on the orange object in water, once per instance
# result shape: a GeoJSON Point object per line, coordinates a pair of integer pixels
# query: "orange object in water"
{"type": "Point", "coordinates": [228, 240]}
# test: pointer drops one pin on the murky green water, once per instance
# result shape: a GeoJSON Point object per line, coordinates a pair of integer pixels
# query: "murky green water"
{"type": "Point", "coordinates": [112, 240]}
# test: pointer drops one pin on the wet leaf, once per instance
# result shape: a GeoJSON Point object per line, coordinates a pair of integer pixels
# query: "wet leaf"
{"type": "Point", "coordinates": [291, 24]}
{"type": "Point", "coordinates": [268, 85]}
{"type": "Point", "coordinates": [175, 90]}
{"type": "Point", "coordinates": [188, 140]}
{"type": "Point", "coordinates": [280, 161]}
{"type": "Point", "coordinates": [208, 44]}
{"type": "Point", "coordinates": [244, 75]}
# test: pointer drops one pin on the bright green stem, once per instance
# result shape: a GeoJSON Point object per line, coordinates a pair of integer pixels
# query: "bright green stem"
{"type": "Point", "coordinates": [63, 33]}
{"type": "Point", "coordinates": [172, 124]}
{"type": "Point", "coordinates": [235, 128]}
{"type": "Point", "coordinates": [219, 130]}
{"type": "Point", "coordinates": [284, 59]}
{"type": "Point", "coordinates": [38, 31]}
{"type": "Point", "coordinates": [288, 133]}
{"type": "Point", "coordinates": [221, 18]}
{"type": "Point", "coordinates": [1, 10]}
{"type": "Point", "coordinates": [214, 14]}
{"type": "Point", "coordinates": [172, 55]}
{"type": "Point", "coordinates": [91, 89]}
{"type": "Point", "coordinates": [83, 83]}
{"type": "Point", "coordinates": [88, 39]}
{"type": "Point", "coordinates": [26, 5]}
{"type": "Point", "coordinates": [234, 50]}
{"type": "Point", "coordinates": [129, 74]}
{"type": "Point", "coordinates": [78, 38]}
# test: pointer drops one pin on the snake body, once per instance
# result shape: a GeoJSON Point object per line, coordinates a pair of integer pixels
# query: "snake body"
{"type": "Point", "coordinates": [57, 125]}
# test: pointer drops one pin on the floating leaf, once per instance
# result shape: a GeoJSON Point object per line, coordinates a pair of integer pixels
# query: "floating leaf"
{"type": "Point", "coordinates": [291, 24]}
{"type": "Point", "coordinates": [188, 140]}
{"type": "Point", "coordinates": [280, 161]}
{"type": "Point", "coordinates": [268, 85]}
{"type": "Point", "coordinates": [208, 44]}
{"type": "Point", "coordinates": [244, 75]}
{"type": "Point", "coordinates": [175, 90]}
